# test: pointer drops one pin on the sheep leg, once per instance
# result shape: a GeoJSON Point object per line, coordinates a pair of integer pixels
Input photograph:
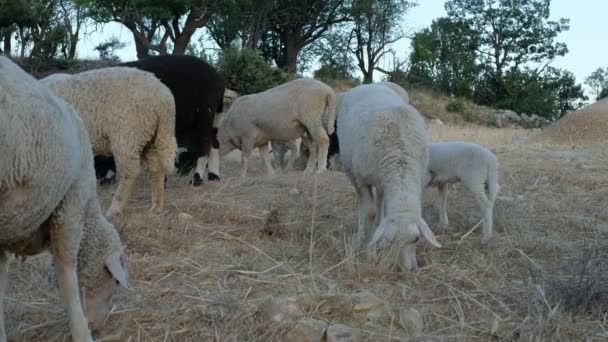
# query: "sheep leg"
{"type": "Point", "coordinates": [486, 207]}
{"type": "Point", "coordinates": [3, 288]}
{"type": "Point", "coordinates": [158, 192]}
{"type": "Point", "coordinates": [321, 142]}
{"type": "Point", "coordinates": [266, 158]}
{"type": "Point", "coordinates": [64, 248]}
{"type": "Point", "coordinates": [312, 159]}
{"type": "Point", "coordinates": [247, 146]}
{"type": "Point", "coordinates": [214, 165]}
{"type": "Point", "coordinates": [294, 149]}
{"type": "Point", "coordinates": [367, 212]}
{"type": "Point", "coordinates": [128, 170]}
{"type": "Point", "coordinates": [201, 166]}
{"type": "Point", "coordinates": [443, 204]}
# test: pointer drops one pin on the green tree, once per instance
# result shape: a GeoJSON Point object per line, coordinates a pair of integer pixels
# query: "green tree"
{"type": "Point", "coordinates": [551, 94]}
{"type": "Point", "coordinates": [333, 54]}
{"type": "Point", "coordinates": [167, 21]}
{"type": "Point", "coordinates": [443, 57]}
{"type": "Point", "coordinates": [239, 20]}
{"type": "Point", "coordinates": [570, 95]}
{"type": "Point", "coordinates": [598, 82]}
{"type": "Point", "coordinates": [246, 72]}
{"type": "Point", "coordinates": [512, 33]}
{"type": "Point", "coordinates": [107, 49]}
{"type": "Point", "coordinates": [72, 15]}
{"type": "Point", "coordinates": [292, 25]}
{"type": "Point", "coordinates": [376, 25]}
{"type": "Point", "coordinates": [44, 28]}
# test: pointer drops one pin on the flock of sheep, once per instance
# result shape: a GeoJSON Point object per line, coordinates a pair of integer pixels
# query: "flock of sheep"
{"type": "Point", "coordinates": [168, 111]}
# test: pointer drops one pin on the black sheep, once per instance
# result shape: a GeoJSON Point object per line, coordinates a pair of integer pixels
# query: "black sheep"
{"type": "Point", "coordinates": [199, 94]}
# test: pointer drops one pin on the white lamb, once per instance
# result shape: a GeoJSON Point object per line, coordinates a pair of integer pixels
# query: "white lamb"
{"type": "Point", "coordinates": [283, 113]}
{"type": "Point", "coordinates": [398, 90]}
{"type": "Point", "coordinates": [129, 114]}
{"type": "Point", "coordinates": [454, 161]}
{"type": "Point", "coordinates": [384, 145]}
{"type": "Point", "coordinates": [48, 200]}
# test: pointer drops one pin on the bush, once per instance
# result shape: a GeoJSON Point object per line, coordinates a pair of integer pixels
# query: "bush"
{"type": "Point", "coordinates": [456, 105]}
{"type": "Point", "coordinates": [246, 72]}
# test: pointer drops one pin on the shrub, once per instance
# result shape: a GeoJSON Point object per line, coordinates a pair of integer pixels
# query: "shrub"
{"type": "Point", "coordinates": [456, 105]}
{"type": "Point", "coordinates": [246, 72]}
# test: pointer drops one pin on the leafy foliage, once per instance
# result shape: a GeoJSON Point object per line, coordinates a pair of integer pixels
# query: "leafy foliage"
{"type": "Point", "coordinates": [245, 71]}
{"type": "Point", "coordinates": [108, 48]}
{"type": "Point", "coordinates": [512, 33]}
{"type": "Point", "coordinates": [598, 82]}
{"type": "Point", "coordinates": [443, 57]}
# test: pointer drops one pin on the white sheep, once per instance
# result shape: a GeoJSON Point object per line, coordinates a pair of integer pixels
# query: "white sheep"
{"type": "Point", "coordinates": [283, 113]}
{"type": "Point", "coordinates": [129, 114]}
{"type": "Point", "coordinates": [398, 90]}
{"type": "Point", "coordinates": [454, 161]}
{"type": "Point", "coordinates": [48, 200]}
{"type": "Point", "coordinates": [384, 145]}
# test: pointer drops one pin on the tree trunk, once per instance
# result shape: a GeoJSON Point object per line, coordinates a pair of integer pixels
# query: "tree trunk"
{"type": "Point", "coordinates": [291, 54]}
{"type": "Point", "coordinates": [140, 48]}
{"type": "Point", "coordinates": [181, 43]}
{"type": "Point", "coordinates": [368, 75]}
{"type": "Point", "coordinates": [7, 44]}
{"type": "Point", "coordinates": [73, 44]}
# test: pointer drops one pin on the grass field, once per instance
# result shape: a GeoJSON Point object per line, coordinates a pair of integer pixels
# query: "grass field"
{"type": "Point", "coordinates": [201, 270]}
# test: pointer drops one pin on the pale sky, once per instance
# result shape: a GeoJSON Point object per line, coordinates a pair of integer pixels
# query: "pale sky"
{"type": "Point", "coordinates": [586, 38]}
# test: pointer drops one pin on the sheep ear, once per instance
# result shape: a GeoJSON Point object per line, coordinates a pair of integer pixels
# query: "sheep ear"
{"type": "Point", "coordinates": [426, 232]}
{"type": "Point", "coordinates": [116, 269]}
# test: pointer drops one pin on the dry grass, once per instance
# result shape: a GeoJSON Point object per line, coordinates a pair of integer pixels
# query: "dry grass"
{"type": "Point", "coordinates": [586, 126]}
{"type": "Point", "coordinates": [203, 280]}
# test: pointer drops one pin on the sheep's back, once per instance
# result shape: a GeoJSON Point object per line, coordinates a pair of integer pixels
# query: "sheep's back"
{"type": "Point", "coordinates": [116, 101]}
{"type": "Point", "coordinates": [39, 159]}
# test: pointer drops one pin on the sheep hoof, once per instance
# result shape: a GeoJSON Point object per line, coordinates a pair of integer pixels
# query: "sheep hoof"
{"type": "Point", "coordinates": [486, 239]}
{"type": "Point", "coordinates": [155, 210]}
{"type": "Point", "coordinates": [213, 177]}
{"type": "Point", "coordinates": [197, 180]}
{"type": "Point", "coordinates": [106, 181]}
{"type": "Point", "coordinates": [112, 212]}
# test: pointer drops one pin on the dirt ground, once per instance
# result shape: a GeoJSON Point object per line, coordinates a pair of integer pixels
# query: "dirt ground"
{"type": "Point", "coordinates": [202, 276]}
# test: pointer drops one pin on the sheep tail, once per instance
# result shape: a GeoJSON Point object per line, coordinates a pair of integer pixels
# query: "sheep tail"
{"type": "Point", "coordinates": [161, 157]}
{"type": "Point", "coordinates": [330, 113]}
{"type": "Point", "coordinates": [493, 186]}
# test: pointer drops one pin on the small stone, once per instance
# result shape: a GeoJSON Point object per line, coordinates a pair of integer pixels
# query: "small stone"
{"type": "Point", "coordinates": [368, 307]}
{"type": "Point", "coordinates": [283, 308]}
{"type": "Point", "coordinates": [184, 218]}
{"type": "Point", "coordinates": [437, 122]}
{"type": "Point", "coordinates": [343, 333]}
{"type": "Point", "coordinates": [411, 320]}
{"type": "Point", "coordinates": [294, 192]}
{"type": "Point", "coordinates": [307, 330]}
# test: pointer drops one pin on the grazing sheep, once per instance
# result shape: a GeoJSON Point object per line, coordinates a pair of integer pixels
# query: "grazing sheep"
{"type": "Point", "coordinates": [199, 94]}
{"type": "Point", "coordinates": [199, 97]}
{"type": "Point", "coordinates": [48, 200]}
{"type": "Point", "coordinates": [130, 114]}
{"type": "Point", "coordinates": [283, 113]}
{"type": "Point", "coordinates": [303, 147]}
{"type": "Point", "coordinates": [454, 161]}
{"type": "Point", "coordinates": [385, 146]}
{"type": "Point", "coordinates": [334, 146]}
